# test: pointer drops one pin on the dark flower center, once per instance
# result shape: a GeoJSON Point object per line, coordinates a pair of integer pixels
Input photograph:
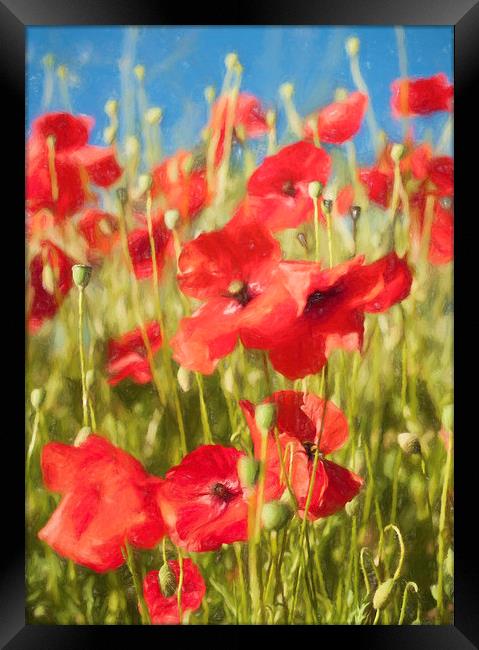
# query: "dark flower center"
{"type": "Point", "coordinates": [317, 301]}
{"type": "Point", "coordinates": [240, 292]}
{"type": "Point", "coordinates": [289, 188]}
{"type": "Point", "coordinates": [310, 449]}
{"type": "Point", "coordinates": [222, 492]}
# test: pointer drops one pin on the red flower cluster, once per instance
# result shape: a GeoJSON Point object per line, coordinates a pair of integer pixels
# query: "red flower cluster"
{"type": "Point", "coordinates": [127, 356]}
{"type": "Point", "coordinates": [107, 500]}
{"type": "Point", "coordinates": [306, 422]}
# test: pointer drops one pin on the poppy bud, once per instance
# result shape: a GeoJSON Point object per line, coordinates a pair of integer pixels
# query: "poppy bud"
{"type": "Point", "coordinates": [48, 279]}
{"type": "Point", "coordinates": [383, 594]}
{"type": "Point", "coordinates": [62, 71]}
{"type": "Point", "coordinates": [231, 60]}
{"type": "Point", "coordinates": [409, 443]}
{"type": "Point", "coordinates": [340, 95]}
{"type": "Point", "coordinates": [328, 205]}
{"type": "Point", "coordinates": [352, 507]}
{"type": "Point", "coordinates": [302, 240]}
{"type": "Point", "coordinates": [288, 499]}
{"type": "Point", "coordinates": [355, 212]}
{"type": "Point", "coordinates": [447, 417]}
{"type": "Point", "coordinates": [37, 397]}
{"type": "Point", "coordinates": [210, 94]}
{"type": "Point", "coordinates": [48, 60]}
{"type": "Point", "coordinates": [111, 107]}
{"type": "Point", "coordinates": [167, 580]}
{"type": "Point", "coordinates": [352, 46]}
{"type": "Point", "coordinates": [132, 146]}
{"type": "Point", "coordinates": [184, 379]}
{"type": "Point", "coordinates": [314, 189]}
{"type": "Point", "coordinates": [139, 71]}
{"type": "Point", "coordinates": [153, 115]}
{"type": "Point", "coordinates": [228, 380]}
{"type": "Point", "coordinates": [81, 275]}
{"type": "Point", "coordinates": [275, 515]}
{"type": "Point", "coordinates": [109, 134]}
{"type": "Point", "coordinates": [171, 218]}
{"type": "Point", "coordinates": [122, 195]}
{"type": "Point", "coordinates": [90, 378]}
{"type": "Point", "coordinates": [397, 151]}
{"type": "Point", "coordinates": [248, 470]}
{"type": "Point", "coordinates": [286, 90]}
{"type": "Point", "coordinates": [270, 118]}
{"type": "Point", "coordinates": [265, 416]}
{"type": "Point", "coordinates": [82, 435]}
{"type": "Point", "coordinates": [145, 181]}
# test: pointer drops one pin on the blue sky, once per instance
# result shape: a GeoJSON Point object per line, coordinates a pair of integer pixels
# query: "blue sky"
{"type": "Point", "coordinates": [181, 61]}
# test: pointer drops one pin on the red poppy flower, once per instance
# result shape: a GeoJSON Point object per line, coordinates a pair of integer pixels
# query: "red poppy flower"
{"type": "Point", "coordinates": [100, 230]}
{"type": "Point", "coordinates": [127, 355]}
{"type": "Point", "coordinates": [339, 121]}
{"type": "Point", "coordinates": [344, 200]}
{"type": "Point", "coordinates": [107, 499]}
{"type": "Point", "coordinates": [278, 189]}
{"type": "Point", "coordinates": [378, 184]}
{"type": "Point", "coordinates": [182, 183]}
{"type": "Point", "coordinates": [412, 97]}
{"type": "Point", "coordinates": [163, 610]}
{"type": "Point", "coordinates": [441, 242]}
{"type": "Point", "coordinates": [50, 281]}
{"type": "Point", "coordinates": [202, 501]}
{"type": "Point", "coordinates": [140, 247]}
{"type": "Point", "coordinates": [230, 269]}
{"type": "Point", "coordinates": [60, 164]}
{"type": "Point", "coordinates": [325, 310]}
{"type": "Point", "coordinates": [441, 173]}
{"type": "Point", "coordinates": [300, 431]}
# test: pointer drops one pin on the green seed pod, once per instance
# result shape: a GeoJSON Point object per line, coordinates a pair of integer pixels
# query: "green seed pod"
{"type": "Point", "coordinates": [111, 107]}
{"type": "Point", "coordinates": [409, 443]}
{"type": "Point", "coordinates": [81, 275]}
{"type": "Point", "coordinates": [287, 498]}
{"type": "Point", "coordinates": [383, 594]}
{"type": "Point", "coordinates": [275, 515]}
{"type": "Point", "coordinates": [37, 397]}
{"type": "Point", "coordinates": [352, 46]}
{"type": "Point", "coordinates": [328, 205]}
{"type": "Point", "coordinates": [167, 581]}
{"type": "Point", "coordinates": [248, 470]}
{"type": "Point", "coordinates": [397, 151]}
{"type": "Point", "coordinates": [171, 218]}
{"type": "Point", "coordinates": [355, 212]}
{"type": "Point", "coordinates": [153, 115]}
{"type": "Point", "coordinates": [340, 95]}
{"type": "Point", "coordinates": [184, 379]}
{"type": "Point", "coordinates": [265, 416]}
{"type": "Point", "coordinates": [314, 189]}
{"type": "Point", "coordinates": [286, 90]}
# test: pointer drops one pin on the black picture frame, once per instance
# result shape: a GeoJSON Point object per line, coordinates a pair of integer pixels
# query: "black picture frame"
{"type": "Point", "coordinates": [15, 16]}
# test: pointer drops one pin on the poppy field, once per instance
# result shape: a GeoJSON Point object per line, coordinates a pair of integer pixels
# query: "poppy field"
{"type": "Point", "coordinates": [239, 363]}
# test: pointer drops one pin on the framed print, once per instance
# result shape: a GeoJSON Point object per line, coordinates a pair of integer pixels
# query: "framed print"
{"type": "Point", "coordinates": [240, 274]}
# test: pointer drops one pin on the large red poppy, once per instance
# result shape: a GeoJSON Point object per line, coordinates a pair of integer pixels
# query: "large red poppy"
{"type": "Point", "coordinates": [68, 163]}
{"type": "Point", "coordinates": [339, 121]}
{"type": "Point", "coordinates": [202, 501]}
{"type": "Point", "coordinates": [300, 432]}
{"type": "Point", "coordinates": [163, 610]}
{"type": "Point", "coordinates": [327, 308]}
{"type": "Point", "coordinates": [278, 188]}
{"type": "Point", "coordinates": [50, 281]}
{"type": "Point", "coordinates": [127, 355]}
{"type": "Point", "coordinates": [139, 246]}
{"type": "Point", "coordinates": [230, 269]}
{"type": "Point", "coordinates": [108, 499]}
{"type": "Point", "coordinates": [182, 184]}
{"type": "Point", "coordinates": [100, 230]}
{"type": "Point", "coordinates": [412, 97]}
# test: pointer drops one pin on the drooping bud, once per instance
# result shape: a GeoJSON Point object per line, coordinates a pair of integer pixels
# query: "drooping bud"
{"type": "Point", "coordinates": [352, 46]}
{"type": "Point", "coordinates": [328, 205]}
{"type": "Point", "coordinates": [397, 151]}
{"type": "Point", "coordinates": [383, 593]}
{"type": "Point", "coordinates": [275, 515]}
{"type": "Point", "coordinates": [184, 379]}
{"type": "Point", "coordinates": [171, 219]}
{"type": "Point", "coordinates": [167, 580]}
{"type": "Point", "coordinates": [210, 94]}
{"type": "Point", "coordinates": [90, 378]}
{"type": "Point", "coordinates": [355, 212]}
{"type": "Point", "coordinates": [111, 107]}
{"type": "Point", "coordinates": [81, 275]}
{"type": "Point", "coordinates": [37, 397]}
{"type": "Point", "coordinates": [145, 181]}
{"type": "Point", "coordinates": [286, 90]}
{"type": "Point", "coordinates": [409, 443]}
{"type": "Point", "coordinates": [153, 115]}
{"type": "Point", "coordinates": [228, 380]}
{"type": "Point", "coordinates": [109, 134]}
{"type": "Point", "coordinates": [248, 470]}
{"type": "Point", "coordinates": [82, 435]}
{"type": "Point", "coordinates": [352, 507]}
{"type": "Point", "coordinates": [48, 279]}
{"type": "Point", "coordinates": [231, 60]}
{"type": "Point", "coordinates": [265, 416]}
{"type": "Point", "coordinates": [314, 189]}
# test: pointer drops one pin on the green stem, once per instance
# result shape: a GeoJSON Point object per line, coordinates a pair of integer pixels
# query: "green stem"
{"type": "Point", "coordinates": [82, 357]}
{"type": "Point", "coordinates": [441, 535]}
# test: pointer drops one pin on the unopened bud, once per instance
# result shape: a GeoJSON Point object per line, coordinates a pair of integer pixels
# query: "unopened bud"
{"type": "Point", "coordinates": [286, 90]}
{"type": "Point", "coordinates": [139, 71]}
{"type": "Point", "coordinates": [228, 380]}
{"type": "Point", "coordinates": [409, 443]}
{"type": "Point", "coordinates": [248, 470]}
{"type": "Point", "coordinates": [109, 134]}
{"type": "Point", "coordinates": [265, 416]}
{"type": "Point", "coordinates": [275, 515]}
{"type": "Point", "coordinates": [111, 107]}
{"type": "Point", "coordinates": [340, 95]}
{"type": "Point", "coordinates": [81, 275]}
{"type": "Point", "coordinates": [184, 379]}
{"type": "Point", "coordinates": [153, 115]}
{"type": "Point", "coordinates": [270, 118]}
{"type": "Point", "coordinates": [352, 46]}
{"type": "Point", "coordinates": [210, 94]}
{"type": "Point", "coordinates": [397, 151]}
{"type": "Point", "coordinates": [62, 72]}
{"type": "Point", "coordinates": [48, 60]}
{"type": "Point", "coordinates": [171, 218]}
{"type": "Point", "coordinates": [302, 240]}
{"type": "Point", "coordinates": [383, 594]}
{"type": "Point", "coordinates": [90, 378]}
{"type": "Point", "coordinates": [352, 507]}
{"type": "Point", "coordinates": [145, 181]}
{"type": "Point", "coordinates": [288, 499]}
{"type": "Point", "coordinates": [355, 212]}
{"type": "Point", "coordinates": [82, 435]}
{"type": "Point", "coordinates": [328, 205]}
{"type": "Point", "coordinates": [314, 189]}
{"type": "Point", "coordinates": [132, 146]}
{"type": "Point", "coordinates": [37, 397]}
{"type": "Point", "coordinates": [48, 279]}
{"type": "Point", "coordinates": [167, 580]}
{"type": "Point", "coordinates": [231, 60]}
